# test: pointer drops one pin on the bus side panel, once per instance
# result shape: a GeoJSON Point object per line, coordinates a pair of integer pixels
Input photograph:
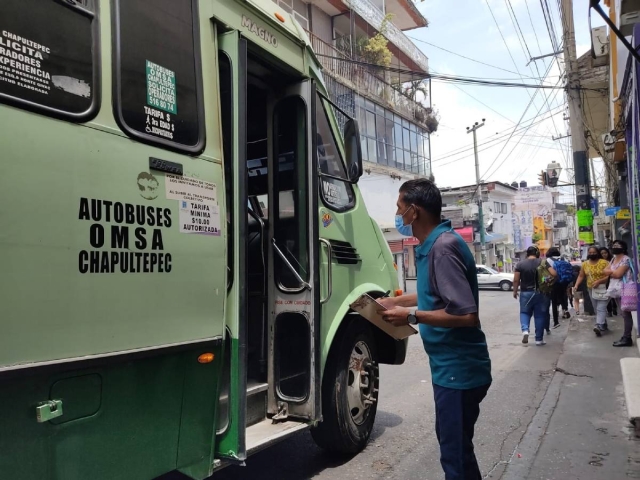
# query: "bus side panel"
{"type": "Point", "coordinates": [126, 420]}
{"type": "Point", "coordinates": [61, 209]}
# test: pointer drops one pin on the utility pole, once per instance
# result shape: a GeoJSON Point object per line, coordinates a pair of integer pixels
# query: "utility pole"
{"type": "Point", "coordinates": [483, 243]}
{"type": "Point", "coordinates": [578, 137]}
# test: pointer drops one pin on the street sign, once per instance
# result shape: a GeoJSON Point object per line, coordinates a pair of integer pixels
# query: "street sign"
{"type": "Point", "coordinates": [611, 211]}
{"type": "Point", "coordinates": [624, 214]}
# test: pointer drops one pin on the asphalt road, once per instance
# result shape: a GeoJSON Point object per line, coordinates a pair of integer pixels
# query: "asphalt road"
{"type": "Point", "coordinates": [403, 443]}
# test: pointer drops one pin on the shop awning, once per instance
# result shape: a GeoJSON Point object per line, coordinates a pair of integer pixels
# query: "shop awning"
{"type": "Point", "coordinates": [466, 233]}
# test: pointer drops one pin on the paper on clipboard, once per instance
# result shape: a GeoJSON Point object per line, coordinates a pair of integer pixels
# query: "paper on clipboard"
{"type": "Point", "coordinates": [366, 306]}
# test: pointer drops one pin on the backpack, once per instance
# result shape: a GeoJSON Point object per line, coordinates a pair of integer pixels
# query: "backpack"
{"type": "Point", "coordinates": [544, 279]}
{"type": "Point", "coordinates": [564, 270]}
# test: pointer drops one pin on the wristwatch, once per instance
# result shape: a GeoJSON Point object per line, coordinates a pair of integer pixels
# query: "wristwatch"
{"type": "Point", "coordinates": [411, 318]}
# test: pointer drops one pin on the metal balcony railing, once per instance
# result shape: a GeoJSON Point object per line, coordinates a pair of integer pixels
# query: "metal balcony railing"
{"type": "Point", "coordinates": [373, 16]}
{"type": "Point", "coordinates": [365, 82]}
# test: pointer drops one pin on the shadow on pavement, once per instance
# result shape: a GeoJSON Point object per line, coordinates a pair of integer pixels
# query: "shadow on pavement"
{"type": "Point", "coordinates": [296, 458]}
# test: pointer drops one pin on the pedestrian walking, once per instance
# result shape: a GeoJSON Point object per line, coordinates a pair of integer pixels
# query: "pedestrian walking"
{"type": "Point", "coordinates": [593, 270]}
{"type": "Point", "coordinates": [448, 317]}
{"type": "Point", "coordinates": [575, 296]}
{"type": "Point", "coordinates": [620, 268]}
{"type": "Point", "coordinates": [532, 302]}
{"type": "Point", "coordinates": [612, 309]}
{"type": "Point", "coordinates": [564, 276]}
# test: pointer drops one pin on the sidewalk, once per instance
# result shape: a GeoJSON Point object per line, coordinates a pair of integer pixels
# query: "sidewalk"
{"type": "Point", "coordinates": [581, 430]}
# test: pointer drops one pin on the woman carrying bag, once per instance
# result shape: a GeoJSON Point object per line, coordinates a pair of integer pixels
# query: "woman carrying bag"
{"type": "Point", "coordinates": [593, 270]}
{"type": "Point", "coordinates": [622, 284]}
{"type": "Point", "coordinates": [612, 309]}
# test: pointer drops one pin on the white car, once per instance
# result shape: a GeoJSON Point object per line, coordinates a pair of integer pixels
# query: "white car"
{"type": "Point", "coordinates": [489, 278]}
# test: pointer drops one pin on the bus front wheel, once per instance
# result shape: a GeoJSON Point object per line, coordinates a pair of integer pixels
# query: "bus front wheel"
{"type": "Point", "coordinates": [349, 392]}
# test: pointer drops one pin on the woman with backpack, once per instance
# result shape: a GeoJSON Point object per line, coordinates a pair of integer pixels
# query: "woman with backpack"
{"type": "Point", "coordinates": [594, 271]}
{"type": "Point", "coordinates": [564, 276]}
{"type": "Point", "coordinates": [619, 269]}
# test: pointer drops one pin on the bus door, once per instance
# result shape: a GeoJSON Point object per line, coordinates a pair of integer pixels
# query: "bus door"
{"type": "Point", "coordinates": [232, 411]}
{"type": "Point", "coordinates": [294, 320]}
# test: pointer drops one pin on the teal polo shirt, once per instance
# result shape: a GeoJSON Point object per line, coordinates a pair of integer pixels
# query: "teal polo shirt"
{"type": "Point", "coordinates": [447, 279]}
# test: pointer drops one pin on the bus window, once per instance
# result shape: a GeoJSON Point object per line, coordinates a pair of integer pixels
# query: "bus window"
{"type": "Point", "coordinates": [336, 194]}
{"type": "Point", "coordinates": [49, 57]}
{"type": "Point", "coordinates": [158, 87]}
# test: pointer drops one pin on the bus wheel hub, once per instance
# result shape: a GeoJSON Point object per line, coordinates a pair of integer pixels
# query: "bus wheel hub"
{"type": "Point", "coordinates": [361, 382]}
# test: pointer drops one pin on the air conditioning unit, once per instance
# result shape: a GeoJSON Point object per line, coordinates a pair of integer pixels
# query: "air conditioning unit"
{"type": "Point", "coordinates": [629, 16]}
{"type": "Point", "coordinates": [600, 41]}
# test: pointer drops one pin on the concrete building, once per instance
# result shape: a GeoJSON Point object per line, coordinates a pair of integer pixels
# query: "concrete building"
{"type": "Point", "coordinates": [460, 206]}
{"type": "Point", "coordinates": [392, 105]}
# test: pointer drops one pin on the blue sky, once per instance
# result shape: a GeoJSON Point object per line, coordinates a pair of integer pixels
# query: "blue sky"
{"type": "Point", "coordinates": [467, 27]}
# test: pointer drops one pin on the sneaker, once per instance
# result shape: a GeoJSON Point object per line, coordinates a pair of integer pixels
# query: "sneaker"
{"type": "Point", "coordinates": [623, 342]}
{"type": "Point", "coordinates": [605, 327]}
{"type": "Point", "coordinates": [548, 332]}
{"type": "Point", "coordinates": [525, 337]}
{"type": "Point", "coordinates": [556, 325]}
{"type": "Point", "coordinates": [566, 315]}
{"type": "Point", "coordinates": [597, 330]}
{"type": "Point", "coordinates": [540, 343]}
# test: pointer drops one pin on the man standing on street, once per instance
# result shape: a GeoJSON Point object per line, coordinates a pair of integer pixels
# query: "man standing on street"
{"type": "Point", "coordinates": [447, 314]}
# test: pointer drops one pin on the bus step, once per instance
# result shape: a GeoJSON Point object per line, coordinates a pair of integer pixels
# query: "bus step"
{"type": "Point", "coordinates": [256, 402]}
{"type": "Point", "coordinates": [266, 433]}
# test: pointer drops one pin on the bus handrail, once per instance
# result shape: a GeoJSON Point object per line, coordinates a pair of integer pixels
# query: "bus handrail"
{"type": "Point", "coordinates": [329, 270]}
{"type": "Point", "coordinates": [288, 264]}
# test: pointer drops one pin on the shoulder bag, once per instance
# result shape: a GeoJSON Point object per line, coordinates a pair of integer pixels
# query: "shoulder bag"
{"type": "Point", "coordinates": [614, 290]}
{"type": "Point", "coordinates": [600, 293]}
{"type": "Point", "coordinates": [629, 297]}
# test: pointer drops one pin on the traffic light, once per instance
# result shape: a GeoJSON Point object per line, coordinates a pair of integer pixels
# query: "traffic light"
{"type": "Point", "coordinates": [542, 178]}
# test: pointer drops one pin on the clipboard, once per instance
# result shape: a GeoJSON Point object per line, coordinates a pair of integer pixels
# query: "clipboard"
{"type": "Point", "coordinates": [368, 308]}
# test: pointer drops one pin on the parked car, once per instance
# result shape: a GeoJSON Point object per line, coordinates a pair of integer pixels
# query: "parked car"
{"type": "Point", "coordinates": [489, 278]}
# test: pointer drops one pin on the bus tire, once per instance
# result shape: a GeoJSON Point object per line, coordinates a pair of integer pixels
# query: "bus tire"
{"type": "Point", "coordinates": [349, 391]}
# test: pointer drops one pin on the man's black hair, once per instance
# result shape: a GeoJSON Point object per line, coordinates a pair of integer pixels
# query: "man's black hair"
{"type": "Point", "coordinates": [423, 193]}
{"type": "Point", "coordinates": [623, 244]}
{"type": "Point", "coordinates": [533, 251]}
{"type": "Point", "coordinates": [553, 252]}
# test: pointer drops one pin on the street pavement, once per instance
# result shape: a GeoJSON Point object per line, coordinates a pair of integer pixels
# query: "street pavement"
{"type": "Point", "coordinates": [535, 421]}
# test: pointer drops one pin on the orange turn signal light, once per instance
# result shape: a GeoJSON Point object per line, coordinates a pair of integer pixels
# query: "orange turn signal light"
{"type": "Point", "coordinates": [206, 358]}
{"type": "Point", "coordinates": [279, 17]}
{"type": "Point", "coordinates": [398, 293]}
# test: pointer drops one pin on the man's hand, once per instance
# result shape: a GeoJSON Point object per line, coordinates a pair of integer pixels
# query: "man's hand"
{"type": "Point", "coordinates": [515, 294]}
{"type": "Point", "coordinates": [388, 302]}
{"type": "Point", "coordinates": [396, 316]}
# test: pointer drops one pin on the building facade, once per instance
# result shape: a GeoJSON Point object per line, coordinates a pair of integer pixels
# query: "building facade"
{"type": "Point", "coordinates": [539, 218]}
{"type": "Point", "coordinates": [392, 105]}
{"type": "Point", "coordinates": [461, 208]}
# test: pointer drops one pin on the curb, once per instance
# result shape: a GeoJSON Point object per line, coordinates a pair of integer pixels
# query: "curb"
{"type": "Point", "coordinates": [630, 367]}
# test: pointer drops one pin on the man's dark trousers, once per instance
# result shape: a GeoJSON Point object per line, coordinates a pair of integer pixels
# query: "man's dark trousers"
{"type": "Point", "coordinates": [456, 415]}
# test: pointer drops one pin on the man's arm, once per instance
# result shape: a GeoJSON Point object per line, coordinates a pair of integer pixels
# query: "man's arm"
{"type": "Point", "coordinates": [455, 292]}
{"type": "Point", "coordinates": [440, 318]}
{"type": "Point", "coordinates": [516, 284]}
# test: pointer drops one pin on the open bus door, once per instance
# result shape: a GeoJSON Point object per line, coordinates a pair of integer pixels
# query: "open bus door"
{"type": "Point", "coordinates": [272, 349]}
{"type": "Point", "coordinates": [294, 303]}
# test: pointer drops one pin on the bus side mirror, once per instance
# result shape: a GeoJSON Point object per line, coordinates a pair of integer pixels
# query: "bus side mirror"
{"type": "Point", "coordinates": [353, 150]}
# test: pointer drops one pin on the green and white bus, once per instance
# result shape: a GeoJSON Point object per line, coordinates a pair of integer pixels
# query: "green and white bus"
{"type": "Point", "coordinates": [181, 237]}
